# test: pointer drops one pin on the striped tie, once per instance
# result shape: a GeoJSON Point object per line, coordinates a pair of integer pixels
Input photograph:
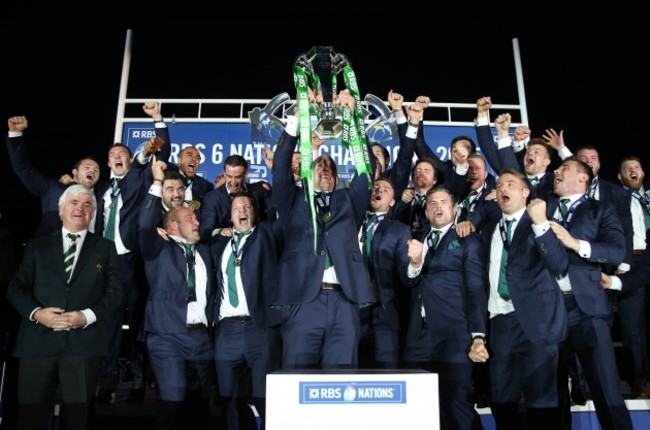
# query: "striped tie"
{"type": "Point", "coordinates": [68, 257]}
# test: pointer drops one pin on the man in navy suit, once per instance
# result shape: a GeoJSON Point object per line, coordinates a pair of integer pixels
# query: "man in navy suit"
{"type": "Point", "coordinates": [215, 211]}
{"type": "Point", "coordinates": [178, 312]}
{"type": "Point", "coordinates": [450, 271]}
{"type": "Point", "coordinates": [248, 338]}
{"type": "Point", "coordinates": [537, 158]}
{"type": "Point", "coordinates": [85, 172]}
{"type": "Point", "coordinates": [592, 233]}
{"type": "Point", "coordinates": [527, 314]}
{"type": "Point", "coordinates": [117, 219]}
{"type": "Point", "coordinates": [410, 209]}
{"type": "Point", "coordinates": [383, 242]}
{"type": "Point", "coordinates": [322, 277]}
{"type": "Point", "coordinates": [631, 301]}
{"type": "Point", "coordinates": [66, 288]}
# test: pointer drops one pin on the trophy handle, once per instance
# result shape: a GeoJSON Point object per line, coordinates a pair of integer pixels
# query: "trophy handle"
{"type": "Point", "coordinates": [265, 120]}
{"type": "Point", "coordinates": [383, 128]}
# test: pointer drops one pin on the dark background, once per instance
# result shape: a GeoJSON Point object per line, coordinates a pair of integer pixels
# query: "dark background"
{"type": "Point", "coordinates": [584, 71]}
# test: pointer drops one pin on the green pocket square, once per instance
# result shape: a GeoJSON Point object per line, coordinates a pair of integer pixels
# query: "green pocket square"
{"type": "Point", "coordinates": [454, 245]}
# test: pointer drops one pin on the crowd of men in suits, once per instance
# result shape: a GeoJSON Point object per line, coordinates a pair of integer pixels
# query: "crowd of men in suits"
{"type": "Point", "coordinates": [503, 285]}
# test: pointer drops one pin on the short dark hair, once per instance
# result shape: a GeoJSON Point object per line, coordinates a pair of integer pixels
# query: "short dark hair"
{"type": "Point", "coordinates": [517, 174]}
{"type": "Point", "coordinates": [441, 188]}
{"type": "Point", "coordinates": [428, 161]}
{"type": "Point", "coordinates": [236, 160]}
{"type": "Point", "coordinates": [121, 145]}
{"type": "Point", "coordinates": [251, 199]}
{"type": "Point", "coordinates": [472, 145]}
{"type": "Point", "coordinates": [582, 167]}
{"type": "Point", "coordinates": [170, 175]}
{"type": "Point", "coordinates": [383, 151]}
{"type": "Point", "coordinates": [87, 157]}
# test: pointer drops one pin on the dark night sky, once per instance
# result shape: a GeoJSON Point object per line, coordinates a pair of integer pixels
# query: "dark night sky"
{"type": "Point", "coordinates": [582, 73]}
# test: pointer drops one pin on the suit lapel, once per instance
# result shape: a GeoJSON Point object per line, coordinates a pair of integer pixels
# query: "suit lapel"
{"type": "Point", "coordinates": [89, 243]}
{"type": "Point", "coordinates": [523, 226]}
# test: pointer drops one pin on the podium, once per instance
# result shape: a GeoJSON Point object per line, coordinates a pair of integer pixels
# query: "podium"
{"type": "Point", "coordinates": [335, 399]}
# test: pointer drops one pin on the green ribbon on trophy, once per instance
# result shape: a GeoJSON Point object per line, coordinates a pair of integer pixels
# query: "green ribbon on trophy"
{"type": "Point", "coordinates": [300, 80]}
{"type": "Point", "coordinates": [355, 138]}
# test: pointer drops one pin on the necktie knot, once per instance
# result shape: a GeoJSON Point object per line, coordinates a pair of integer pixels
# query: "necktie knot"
{"type": "Point", "coordinates": [116, 184]}
{"type": "Point", "coordinates": [435, 237]}
{"type": "Point", "coordinates": [509, 223]}
{"type": "Point", "coordinates": [421, 198]}
{"type": "Point", "coordinates": [534, 180]}
{"type": "Point", "coordinates": [239, 236]}
{"type": "Point", "coordinates": [564, 207]}
{"type": "Point", "coordinates": [73, 237]}
{"type": "Point", "coordinates": [189, 248]}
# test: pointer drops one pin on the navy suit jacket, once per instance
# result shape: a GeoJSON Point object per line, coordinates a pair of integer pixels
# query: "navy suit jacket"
{"type": "Point", "coordinates": [48, 190]}
{"type": "Point", "coordinates": [620, 199]}
{"type": "Point", "coordinates": [133, 188]}
{"type": "Point", "coordinates": [166, 271]}
{"type": "Point", "coordinates": [302, 266]}
{"type": "Point", "coordinates": [215, 210]}
{"type": "Point", "coordinates": [597, 223]}
{"type": "Point", "coordinates": [533, 266]}
{"type": "Point", "coordinates": [41, 282]}
{"type": "Point", "coordinates": [259, 267]}
{"type": "Point", "coordinates": [389, 261]}
{"type": "Point", "coordinates": [447, 175]}
{"type": "Point", "coordinates": [544, 188]}
{"type": "Point", "coordinates": [454, 294]}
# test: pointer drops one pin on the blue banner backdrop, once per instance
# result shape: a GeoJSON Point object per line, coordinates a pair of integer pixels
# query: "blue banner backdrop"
{"type": "Point", "coordinates": [216, 141]}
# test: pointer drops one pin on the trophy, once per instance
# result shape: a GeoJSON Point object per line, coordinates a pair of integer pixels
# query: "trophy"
{"type": "Point", "coordinates": [324, 64]}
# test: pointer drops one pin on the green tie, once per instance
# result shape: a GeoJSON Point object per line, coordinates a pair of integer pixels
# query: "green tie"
{"type": "Point", "coordinates": [191, 276]}
{"type": "Point", "coordinates": [564, 208]}
{"type": "Point", "coordinates": [502, 289]}
{"type": "Point", "coordinates": [328, 259]}
{"type": "Point", "coordinates": [467, 203]}
{"type": "Point", "coordinates": [109, 232]}
{"type": "Point", "coordinates": [367, 246]}
{"type": "Point", "coordinates": [234, 261]}
{"type": "Point", "coordinates": [435, 238]}
{"type": "Point", "coordinates": [68, 257]}
{"type": "Point", "coordinates": [534, 180]}
{"type": "Point", "coordinates": [592, 188]}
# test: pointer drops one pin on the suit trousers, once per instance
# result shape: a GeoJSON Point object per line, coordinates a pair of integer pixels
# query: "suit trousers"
{"type": "Point", "coordinates": [590, 338]}
{"type": "Point", "coordinates": [181, 362]}
{"type": "Point", "coordinates": [38, 380]}
{"type": "Point", "coordinates": [323, 333]}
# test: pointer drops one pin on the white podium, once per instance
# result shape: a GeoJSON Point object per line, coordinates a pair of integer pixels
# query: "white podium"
{"type": "Point", "coordinates": [340, 400]}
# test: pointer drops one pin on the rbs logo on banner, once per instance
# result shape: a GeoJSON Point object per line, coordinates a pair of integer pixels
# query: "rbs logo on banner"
{"type": "Point", "coordinates": [353, 392]}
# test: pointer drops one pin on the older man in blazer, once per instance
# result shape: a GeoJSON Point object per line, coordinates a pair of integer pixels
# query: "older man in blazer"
{"type": "Point", "coordinates": [65, 289]}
